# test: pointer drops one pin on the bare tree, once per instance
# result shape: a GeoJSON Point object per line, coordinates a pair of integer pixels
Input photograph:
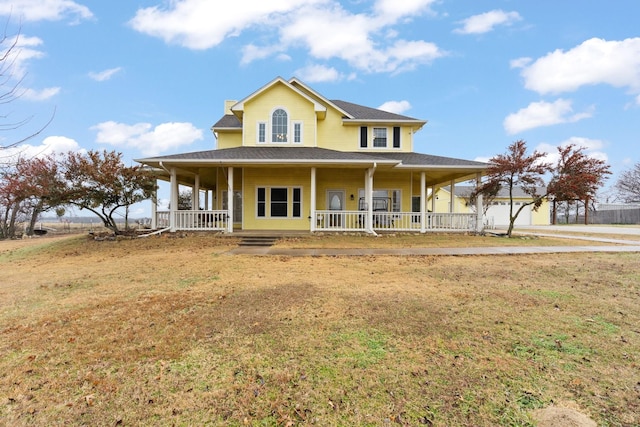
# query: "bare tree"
{"type": "Point", "coordinates": [628, 185]}
{"type": "Point", "coordinates": [10, 89]}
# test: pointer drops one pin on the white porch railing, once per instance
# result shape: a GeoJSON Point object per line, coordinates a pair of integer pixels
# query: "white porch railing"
{"type": "Point", "coordinates": [393, 221]}
{"type": "Point", "coordinates": [339, 220]}
{"type": "Point", "coordinates": [194, 220]}
{"type": "Point", "coordinates": [332, 221]}
{"type": "Point", "coordinates": [451, 221]}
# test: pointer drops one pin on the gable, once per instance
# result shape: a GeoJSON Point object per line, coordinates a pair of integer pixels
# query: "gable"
{"type": "Point", "coordinates": [306, 118]}
{"type": "Point", "coordinates": [279, 82]}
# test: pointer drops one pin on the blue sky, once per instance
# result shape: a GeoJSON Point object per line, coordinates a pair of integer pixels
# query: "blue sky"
{"type": "Point", "coordinates": [150, 77]}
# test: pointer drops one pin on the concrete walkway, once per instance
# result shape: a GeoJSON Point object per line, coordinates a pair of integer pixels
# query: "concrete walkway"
{"type": "Point", "coordinates": [616, 245]}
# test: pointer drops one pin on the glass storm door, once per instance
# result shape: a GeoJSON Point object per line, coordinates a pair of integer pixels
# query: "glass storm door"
{"type": "Point", "coordinates": [335, 202]}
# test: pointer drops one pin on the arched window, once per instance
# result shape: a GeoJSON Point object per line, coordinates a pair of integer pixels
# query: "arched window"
{"type": "Point", "coordinates": [279, 126]}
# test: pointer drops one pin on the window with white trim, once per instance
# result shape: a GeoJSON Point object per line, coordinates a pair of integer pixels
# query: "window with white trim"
{"type": "Point", "coordinates": [279, 126]}
{"type": "Point", "coordinates": [279, 202]}
{"type": "Point", "coordinates": [262, 131]}
{"type": "Point", "coordinates": [297, 132]}
{"type": "Point", "coordinates": [380, 137]}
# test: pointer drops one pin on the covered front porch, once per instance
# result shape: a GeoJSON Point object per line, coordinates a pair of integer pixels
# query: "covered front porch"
{"type": "Point", "coordinates": [314, 190]}
{"type": "Point", "coordinates": [231, 202]}
{"type": "Point", "coordinates": [328, 221]}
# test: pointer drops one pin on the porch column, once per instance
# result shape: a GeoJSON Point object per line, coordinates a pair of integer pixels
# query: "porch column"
{"type": "Point", "coordinates": [173, 200]}
{"type": "Point", "coordinates": [452, 197]}
{"type": "Point", "coordinates": [369, 197]}
{"type": "Point", "coordinates": [479, 207]}
{"type": "Point", "coordinates": [154, 207]}
{"type": "Point", "coordinates": [230, 200]}
{"type": "Point", "coordinates": [423, 202]}
{"type": "Point", "coordinates": [312, 202]}
{"type": "Point", "coordinates": [433, 199]}
{"type": "Point", "coordinates": [206, 200]}
{"type": "Point", "coordinates": [195, 193]}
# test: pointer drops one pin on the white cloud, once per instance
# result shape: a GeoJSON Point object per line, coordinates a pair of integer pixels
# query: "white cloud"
{"type": "Point", "coordinates": [520, 62]}
{"type": "Point", "coordinates": [593, 148]}
{"type": "Point", "coordinates": [251, 53]}
{"type": "Point", "coordinates": [39, 95]}
{"type": "Point", "coordinates": [104, 75]}
{"type": "Point", "coordinates": [19, 54]}
{"type": "Point", "coordinates": [485, 22]}
{"type": "Point", "coordinates": [364, 40]}
{"type": "Point", "coordinates": [353, 39]}
{"type": "Point", "coordinates": [595, 61]}
{"type": "Point", "coordinates": [318, 73]}
{"type": "Point", "coordinates": [16, 62]}
{"type": "Point", "coordinates": [543, 113]}
{"type": "Point", "coordinates": [394, 9]}
{"type": "Point", "coordinates": [144, 137]}
{"type": "Point", "coordinates": [202, 24]}
{"type": "Point", "coordinates": [50, 145]}
{"type": "Point", "coordinates": [45, 10]}
{"type": "Point", "coordinates": [397, 107]}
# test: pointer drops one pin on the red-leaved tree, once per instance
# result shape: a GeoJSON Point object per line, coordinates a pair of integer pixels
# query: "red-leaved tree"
{"type": "Point", "coordinates": [101, 183]}
{"type": "Point", "coordinates": [576, 177]}
{"type": "Point", "coordinates": [27, 189]}
{"type": "Point", "coordinates": [517, 169]}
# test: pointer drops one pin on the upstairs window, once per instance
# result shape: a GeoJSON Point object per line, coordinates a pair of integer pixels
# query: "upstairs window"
{"type": "Point", "coordinates": [262, 132]}
{"type": "Point", "coordinates": [379, 137]}
{"type": "Point", "coordinates": [297, 132]}
{"type": "Point", "coordinates": [279, 126]}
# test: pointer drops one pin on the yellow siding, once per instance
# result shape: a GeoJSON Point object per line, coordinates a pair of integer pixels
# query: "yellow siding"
{"type": "Point", "coordinates": [329, 132]}
{"type": "Point", "coordinates": [349, 180]}
{"type": "Point", "coordinates": [443, 200]}
{"type": "Point", "coordinates": [229, 140]}
{"type": "Point", "coordinates": [272, 177]}
{"type": "Point", "coordinates": [334, 136]}
{"type": "Point", "coordinates": [260, 108]}
{"type": "Point", "coordinates": [542, 215]}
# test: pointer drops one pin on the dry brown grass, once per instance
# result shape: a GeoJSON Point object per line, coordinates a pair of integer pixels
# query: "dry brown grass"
{"type": "Point", "coordinates": [413, 240]}
{"type": "Point", "coordinates": [164, 331]}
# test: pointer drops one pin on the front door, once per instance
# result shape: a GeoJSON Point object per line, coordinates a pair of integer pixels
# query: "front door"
{"type": "Point", "coordinates": [335, 202]}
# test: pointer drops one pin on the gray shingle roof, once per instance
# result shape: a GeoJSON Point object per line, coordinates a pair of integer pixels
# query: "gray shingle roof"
{"type": "Point", "coordinates": [465, 190]}
{"type": "Point", "coordinates": [272, 154]}
{"type": "Point", "coordinates": [418, 159]}
{"type": "Point", "coordinates": [312, 154]}
{"type": "Point", "coordinates": [228, 121]}
{"type": "Point", "coordinates": [360, 112]}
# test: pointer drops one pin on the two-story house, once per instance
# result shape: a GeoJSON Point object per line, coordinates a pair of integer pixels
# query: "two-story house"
{"type": "Point", "coordinates": [287, 158]}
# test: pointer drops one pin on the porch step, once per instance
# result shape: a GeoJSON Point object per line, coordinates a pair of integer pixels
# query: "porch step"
{"type": "Point", "coordinates": [260, 241]}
